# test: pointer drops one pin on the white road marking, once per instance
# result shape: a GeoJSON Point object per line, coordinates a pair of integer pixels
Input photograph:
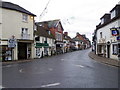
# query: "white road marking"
{"type": "Point", "coordinates": [62, 59]}
{"type": "Point", "coordinates": [49, 85]}
{"type": "Point", "coordinates": [50, 69]}
{"type": "Point", "coordinates": [79, 66]}
{"type": "Point", "coordinates": [21, 70]}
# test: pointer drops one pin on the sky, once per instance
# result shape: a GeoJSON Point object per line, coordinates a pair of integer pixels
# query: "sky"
{"type": "Point", "coordinates": [76, 15]}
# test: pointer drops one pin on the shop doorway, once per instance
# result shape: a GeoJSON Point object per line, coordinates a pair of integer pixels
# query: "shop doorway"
{"type": "Point", "coordinates": [22, 50]}
{"type": "Point", "coordinates": [108, 51]}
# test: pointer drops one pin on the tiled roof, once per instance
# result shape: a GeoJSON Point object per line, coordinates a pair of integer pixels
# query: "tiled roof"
{"type": "Point", "coordinates": [52, 23]}
{"type": "Point", "coordinates": [43, 32]}
{"type": "Point", "coordinates": [11, 6]}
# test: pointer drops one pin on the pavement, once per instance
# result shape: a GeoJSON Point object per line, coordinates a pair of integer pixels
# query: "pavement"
{"type": "Point", "coordinates": [104, 60]}
{"type": "Point", "coordinates": [15, 61]}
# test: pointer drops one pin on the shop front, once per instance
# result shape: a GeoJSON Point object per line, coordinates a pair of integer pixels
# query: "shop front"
{"type": "Point", "coordinates": [42, 49]}
{"type": "Point", "coordinates": [101, 49]}
{"type": "Point", "coordinates": [24, 50]}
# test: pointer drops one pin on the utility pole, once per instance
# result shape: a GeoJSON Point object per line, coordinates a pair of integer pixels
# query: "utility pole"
{"type": "Point", "coordinates": [44, 10]}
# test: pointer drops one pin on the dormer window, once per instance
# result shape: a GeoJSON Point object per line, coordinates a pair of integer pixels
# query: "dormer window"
{"type": "Point", "coordinates": [102, 20]}
{"type": "Point", "coordinates": [113, 14]}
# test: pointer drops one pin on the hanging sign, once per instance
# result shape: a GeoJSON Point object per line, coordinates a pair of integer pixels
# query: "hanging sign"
{"type": "Point", "coordinates": [114, 31]}
{"type": "Point", "coordinates": [118, 38]}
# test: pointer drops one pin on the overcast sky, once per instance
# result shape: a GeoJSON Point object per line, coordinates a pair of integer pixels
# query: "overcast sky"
{"type": "Point", "coordinates": [76, 15]}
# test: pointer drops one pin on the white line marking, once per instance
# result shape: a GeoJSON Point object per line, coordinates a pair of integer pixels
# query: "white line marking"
{"type": "Point", "coordinates": [62, 59]}
{"type": "Point", "coordinates": [79, 66]}
{"type": "Point", "coordinates": [21, 70]}
{"type": "Point", "coordinates": [49, 85]}
{"type": "Point", "coordinates": [50, 69]}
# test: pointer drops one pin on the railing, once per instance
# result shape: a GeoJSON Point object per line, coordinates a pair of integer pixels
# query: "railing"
{"type": "Point", "coordinates": [25, 36]}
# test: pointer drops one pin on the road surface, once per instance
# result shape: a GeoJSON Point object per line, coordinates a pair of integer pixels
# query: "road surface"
{"type": "Point", "coordinates": [69, 70]}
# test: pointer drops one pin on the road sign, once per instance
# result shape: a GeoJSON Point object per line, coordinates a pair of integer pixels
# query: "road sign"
{"type": "Point", "coordinates": [11, 43]}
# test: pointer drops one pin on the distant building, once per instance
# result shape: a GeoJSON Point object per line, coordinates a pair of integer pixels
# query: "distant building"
{"type": "Point", "coordinates": [55, 27]}
{"type": "Point", "coordinates": [107, 35]}
{"type": "Point", "coordinates": [81, 41]}
{"type": "Point", "coordinates": [17, 32]}
{"type": "Point", "coordinates": [68, 43]}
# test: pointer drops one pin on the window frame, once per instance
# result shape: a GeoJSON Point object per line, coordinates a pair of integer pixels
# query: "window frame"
{"type": "Point", "coordinates": [24, 17]}
{"type": "Point", "coordinates": [115, 49]}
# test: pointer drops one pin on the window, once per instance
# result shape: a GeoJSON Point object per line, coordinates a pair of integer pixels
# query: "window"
{"type": "Point", "coordinates": [59, 28]}
{"type": "Point", "coordinates": [42, 40]}
{"type": "Point", "coordinates": [35, 27]}
{"type": "Point", "coordinates": [24, 31]}
{"type": "Point", "coordinates": [58, 36]}
{"type": "Point", "coordinates": [102, 21]}
{"type": "Point", "coordinates": [25, 17]}
{"type": "Point", "coordinates": [113, 14]}
{"type": "Point", "coordinates": [115, 52]}
{"type": "Point", "coordinates": [100, 34]}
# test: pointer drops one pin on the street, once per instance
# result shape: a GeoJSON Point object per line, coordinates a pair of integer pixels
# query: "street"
{"type": "Point", "coordinates": [69, 70]}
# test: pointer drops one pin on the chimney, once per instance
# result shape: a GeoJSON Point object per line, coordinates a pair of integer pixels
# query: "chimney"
{"type": "Point", "coordinates": [77, 34]}
{"type": "Point", "coordinates": [66, 33]}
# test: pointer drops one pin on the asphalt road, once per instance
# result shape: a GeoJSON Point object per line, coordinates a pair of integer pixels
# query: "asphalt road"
{"type": "Point", "coordinates": [70, 70]}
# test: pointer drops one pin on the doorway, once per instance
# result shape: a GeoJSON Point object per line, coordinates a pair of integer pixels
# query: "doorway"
{"type": "Point", "coordinates": [22, 50]}
{"type": "Point", "coordinates": [108, 51]}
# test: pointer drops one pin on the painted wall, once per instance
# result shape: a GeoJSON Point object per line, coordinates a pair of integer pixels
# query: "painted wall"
{"type": "Point", "coordinates": [106, 34]}
{"type": "Point", "coordinates": [13, 23]}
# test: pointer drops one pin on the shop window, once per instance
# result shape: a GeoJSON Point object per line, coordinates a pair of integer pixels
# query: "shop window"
{"type": "Point", "coordinates": [101, 35]}
{"type": "Point", "coordinates": [6, 53]}
{"type": "Point", "coordinates": [115, 52]}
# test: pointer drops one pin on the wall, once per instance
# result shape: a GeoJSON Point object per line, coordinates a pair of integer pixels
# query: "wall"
{"type": "Point", "coordinates": [12, 24]}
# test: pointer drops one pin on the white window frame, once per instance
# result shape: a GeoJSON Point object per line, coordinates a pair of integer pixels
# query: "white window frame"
{"type": "Point", "coordinates": [113, 14]}
{"type": "Point", "coordinates": [24, 31]}
{"type": "Point", "coordinates": [115, 49]}
{"type": "Point", "coordinates": [102, 21]}
{"type": "Point", "coordinates": [24, 17]}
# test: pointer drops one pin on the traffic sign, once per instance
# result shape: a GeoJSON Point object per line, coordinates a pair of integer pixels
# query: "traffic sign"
{"type": "Point", "coordinates": [12, 43]}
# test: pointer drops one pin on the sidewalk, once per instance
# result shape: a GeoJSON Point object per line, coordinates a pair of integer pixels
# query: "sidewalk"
{"type": "Point", "coordinates": [104, 60]}
{"type": "Point", "coordinates": [15, 61]}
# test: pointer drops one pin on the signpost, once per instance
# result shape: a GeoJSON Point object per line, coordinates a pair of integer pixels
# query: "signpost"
{"type": "Point", "coordinates": [11, 45]}
{"type": "Point", "coordinates": [12, 42]}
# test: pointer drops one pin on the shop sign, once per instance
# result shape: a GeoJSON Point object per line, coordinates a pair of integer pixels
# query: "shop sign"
{"type": "Point", "coordinates": [118, 38]}
{"type": "Point", "coordinates": [39, 45]}
{"type": "Point", "coordinates": [114, 31]}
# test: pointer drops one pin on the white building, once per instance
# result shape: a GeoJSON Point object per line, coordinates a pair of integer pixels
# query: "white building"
{"type": "Point", "coordinates": [44, 42]}
{"type": "Point", "coordinates": [16, 25]}
{"type": "Point", "coordinates": [107, 35]}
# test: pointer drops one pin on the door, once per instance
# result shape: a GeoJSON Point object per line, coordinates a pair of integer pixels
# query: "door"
{"type": "Point", "coordinates": [108, 51]}
{"type": "Point", "coordinates": [22, 50]}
